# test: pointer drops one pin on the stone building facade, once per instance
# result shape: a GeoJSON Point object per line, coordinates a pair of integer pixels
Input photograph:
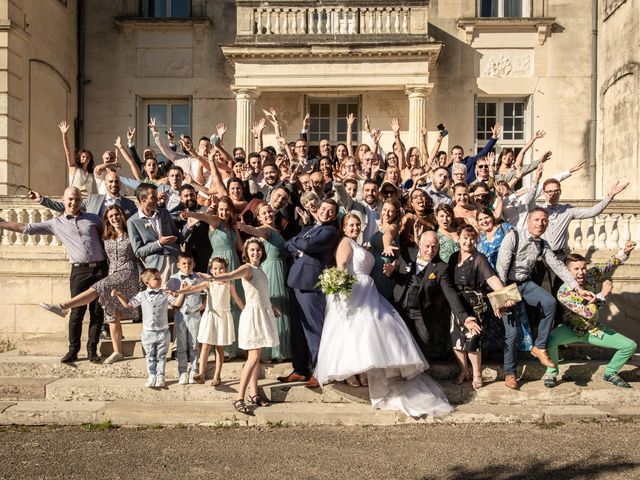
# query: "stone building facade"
{"type": "Point", "coordinates": [107, 64]}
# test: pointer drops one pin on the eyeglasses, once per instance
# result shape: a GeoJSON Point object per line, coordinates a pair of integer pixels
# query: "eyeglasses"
{"type": "Point", "coordinates": [483, 166]}
{"type": "Point", "coordinates": [553, 192]}
{"type": "Point", "coordinates": [387, 192]}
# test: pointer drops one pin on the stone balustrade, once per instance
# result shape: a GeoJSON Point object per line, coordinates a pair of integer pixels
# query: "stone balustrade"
{"type": "Point", "coordinates": [608, 231]}
{"type": "Point", "coordinates": [290, 17]}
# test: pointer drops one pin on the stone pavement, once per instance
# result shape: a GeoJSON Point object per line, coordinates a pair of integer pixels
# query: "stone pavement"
{"type": "Point", "coordinates": [37, 389]}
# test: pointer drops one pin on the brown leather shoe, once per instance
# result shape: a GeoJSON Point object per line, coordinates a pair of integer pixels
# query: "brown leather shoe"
{"type": "Point", "coordinates": [543, 357]}
{"type": "Point", "coordinates": [313, 383]}
{"type": "Point", "coordinates": [511, 382]}
{"type": "Point", "coordinates": [292, 377]}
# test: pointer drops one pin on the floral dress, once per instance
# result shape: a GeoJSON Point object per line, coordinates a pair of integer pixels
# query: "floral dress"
{"type": "Point", "coordinates": [123, 275]}
{"type": "Point", "coordinates": [448, 246]}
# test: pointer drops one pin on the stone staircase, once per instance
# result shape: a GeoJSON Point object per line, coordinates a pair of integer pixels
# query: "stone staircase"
{"type": "Point", "coordinates": [38, 389]}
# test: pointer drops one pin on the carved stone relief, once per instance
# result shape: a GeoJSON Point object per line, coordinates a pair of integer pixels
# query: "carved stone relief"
{"type": "Point", "coordinates": [164, 62]}
{"type": "Point", "coordinates": [506, 63]}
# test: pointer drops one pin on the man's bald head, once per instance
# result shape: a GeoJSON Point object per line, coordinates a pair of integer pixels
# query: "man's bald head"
{"type": "Point", "coordinates": [72, 200]}
{"type": "Point", "coordinates": [428, 245]}
{"type": "Point", "coordinates": [112, 182]}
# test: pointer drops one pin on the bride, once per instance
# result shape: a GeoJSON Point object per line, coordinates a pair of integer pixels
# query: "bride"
{"type": "Point", "coordinates": [365, 334]}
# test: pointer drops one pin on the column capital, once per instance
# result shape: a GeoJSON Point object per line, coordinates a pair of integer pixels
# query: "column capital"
{"type": "Point", "coordinates": [245, 93]}
{"type": "Point", "coordinates": [418, 91]}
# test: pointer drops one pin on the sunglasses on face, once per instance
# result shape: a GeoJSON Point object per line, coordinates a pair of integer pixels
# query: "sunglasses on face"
{"type": "Point", "coordinates": [483, 166]}
{"type": "Point", "coordinates": [388, 192]}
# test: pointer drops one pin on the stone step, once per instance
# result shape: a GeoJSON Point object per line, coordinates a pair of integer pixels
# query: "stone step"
{"type": "Point", "coordinates": [13, 364]}
{"type": "Point", "coordinates": [220, 414]}
{"type": "Point", "coordinates": [55, 344]}
{"type": "Point", "coordinates": [494, 393]}
{"type": "Point", "coordinates": [15, 388]}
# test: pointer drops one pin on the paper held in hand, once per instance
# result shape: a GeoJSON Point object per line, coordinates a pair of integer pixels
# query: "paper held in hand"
{"type": "Point", "coordinates": [502, 296]}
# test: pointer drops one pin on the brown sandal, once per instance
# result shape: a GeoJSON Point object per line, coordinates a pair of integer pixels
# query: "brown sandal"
{"type": "Point", "coordinates": [258, 400]}
{"type": "Point", "coordinates": [364, 380]}
{"type": "Point", "coordinates": [352, 381]}
{"type": "Point", "coordinates": [241, 407]}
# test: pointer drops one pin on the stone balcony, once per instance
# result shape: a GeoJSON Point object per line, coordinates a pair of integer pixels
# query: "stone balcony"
{"type": "Point", "coordinates": [357, 22]}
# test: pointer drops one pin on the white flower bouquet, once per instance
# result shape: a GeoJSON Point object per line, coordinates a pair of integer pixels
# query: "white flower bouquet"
{"type": "Point", "coordinates": [337, 282]}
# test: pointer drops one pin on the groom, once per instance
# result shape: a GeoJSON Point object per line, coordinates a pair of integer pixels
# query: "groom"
{"type": "Point", "coordinates": [313, 250]}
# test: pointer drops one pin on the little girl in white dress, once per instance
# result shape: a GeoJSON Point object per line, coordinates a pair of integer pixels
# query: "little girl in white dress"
{"type": "Point", "coordinates": [257, 328]}
{"type": "Point", "coordinates": [216, 327]}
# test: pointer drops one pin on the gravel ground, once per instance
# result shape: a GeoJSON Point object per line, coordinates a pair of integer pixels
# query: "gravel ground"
{"type": "Point", "coordinates": [470, 452]}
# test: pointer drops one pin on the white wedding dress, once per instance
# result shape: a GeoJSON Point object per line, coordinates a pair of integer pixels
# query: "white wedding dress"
{"type": "Point", "coordinates": [365, 334]}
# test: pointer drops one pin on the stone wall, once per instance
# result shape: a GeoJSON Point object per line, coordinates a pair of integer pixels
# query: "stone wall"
{"type": "Point", "coordinates": [37, 90]}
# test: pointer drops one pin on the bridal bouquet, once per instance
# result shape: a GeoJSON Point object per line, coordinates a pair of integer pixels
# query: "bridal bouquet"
{"type": "Point", "coordinates": [337, 282]}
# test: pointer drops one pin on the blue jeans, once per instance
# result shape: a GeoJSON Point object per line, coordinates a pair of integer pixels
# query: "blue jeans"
{"type": "Point", "coordinates": [156, 345]}
{"type": "Point", "coordinates": [536, 296]}
{"type": "Point", "coordinates": [187, 326]}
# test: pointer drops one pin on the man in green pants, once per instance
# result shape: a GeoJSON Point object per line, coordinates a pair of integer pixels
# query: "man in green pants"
{"type": "Point", "coordinates": [580, 317]}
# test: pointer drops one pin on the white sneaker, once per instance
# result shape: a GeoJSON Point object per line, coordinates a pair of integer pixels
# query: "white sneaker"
{"type": "Point", "coordinates": [54, 308]}
{"type": "Point", "coordinates": [151, 381]}
{"type": "Point", "coordinates": [113, 358]}
{"type": "Point", "coordinates": [160, 381]}
{"type": "Point", "coordinates": [183, 379]}
{"type": "Point", "coordinates": [191, 379]}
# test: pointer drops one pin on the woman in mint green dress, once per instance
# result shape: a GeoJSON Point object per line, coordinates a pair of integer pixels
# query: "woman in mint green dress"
{"type": "Point", "coordinates": [384, 244]}
{"type": "Point", "coordinates": [225, 242]}
{"type": "Point", "coordinates": [447, 232]}
{"type": "Point", "coordinates": [275, 268]}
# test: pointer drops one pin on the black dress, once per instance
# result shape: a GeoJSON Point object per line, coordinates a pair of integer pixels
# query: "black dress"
{"type": "Point", "coordinates": [470, 279]}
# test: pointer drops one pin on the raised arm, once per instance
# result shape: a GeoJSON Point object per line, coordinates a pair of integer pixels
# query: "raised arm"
{"type": "Point", "coordinates": [243, 272]}
{"type": "Point", "coordinates": [212, 220]}
{"type": "Point", "coordinates": [200, 287]}
{"type": "Point", "coordinates": [435, 149]}
{"type": "Point", "coordinates": [520, 157]}
{"type": "Point", "coordinates": [262, 232]}
{"type": "Point", "coordinates": [257, 129]}
{"type": "Point", "coordinates": [125, 154]}
{"type": "Point", "coordinates": [64, 129]}
{"type": "Point", "coordinates": [388, 237]}
{"type": "Point", "coordinates": [123, 300]}
{"type": "Point", "coordinates": [164, 148]}
{"type": "Point", "coordinates": [395, 126]}
{"type": "Point", "coordinates": [505, 255]}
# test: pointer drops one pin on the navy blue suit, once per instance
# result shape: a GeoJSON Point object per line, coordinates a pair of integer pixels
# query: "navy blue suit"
{"type": "Point", "coordinates": [313, 250]}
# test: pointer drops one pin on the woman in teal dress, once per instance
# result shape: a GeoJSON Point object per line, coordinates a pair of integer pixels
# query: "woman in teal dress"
{"type": "Point", "coordinates": [275, 268]}
{"type": "Point", "coordinates": [384, 245]}
{"type": "Point", "coordinates": [447, 233]}
{"type": "Point", "coordinates": [225, 242]}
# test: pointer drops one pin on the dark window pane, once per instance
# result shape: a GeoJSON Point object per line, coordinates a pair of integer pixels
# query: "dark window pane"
{"type": "Point", "coordinates": [519, 125]}
{"type": "Point", "coordinates": [180, 8]}
{"type": "Point", "coordinates": [507, 109]}
{"type": "Point", "coordinates": [314, 109]}
{"type": "Point", "coordinates": [513, 8]}
{"type": "Point", "coordinates": [341, 125]}
{"type": "Point", "coordinates": [481, 109]}
{"type": "Point", "coordinates": [157, 8]}
{"type": "Point", "coordinates": [489, 8]}
{"type": "Point", "coordinates": [159, 112]}
{"type": "Point", "coordinates": [352, 108]}
{"type": "Point", "coordinates": [325, 110]}
{"type": "Point", "coordinates": [314, 125]}
{"type": "Point", "coordinates": [491, 110]}
{"type": "Point", "coordinates": [180, 130]}
{"type": "Point", "coordinates": [342, 110]}
{"type": "Point", "coordinates": [519, 109]}
{"type": "Point", "coordinates": [508, 136]}
{"type": "Point", "coordinates": [518, 136]}
{"type": "Point", "coordinates": [508, 124]}
{"type": "Point", "coordinates": [324, 125]}
{"type": "Point", "coordinates": [180, 115]}
{"type": "Point", "coordinates": [314, 137]}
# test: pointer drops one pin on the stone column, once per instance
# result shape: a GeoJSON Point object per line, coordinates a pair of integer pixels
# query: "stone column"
{"type": "Point", "coordinates": [245, 106]}
{"type": "Point", "coordinates": [417, 113]}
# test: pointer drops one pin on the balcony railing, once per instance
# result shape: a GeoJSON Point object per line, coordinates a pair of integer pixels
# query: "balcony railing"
{"type": "Point", "coordinates": [608, 231]}
{"type": "Point", "coordinates": [287, 17]}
